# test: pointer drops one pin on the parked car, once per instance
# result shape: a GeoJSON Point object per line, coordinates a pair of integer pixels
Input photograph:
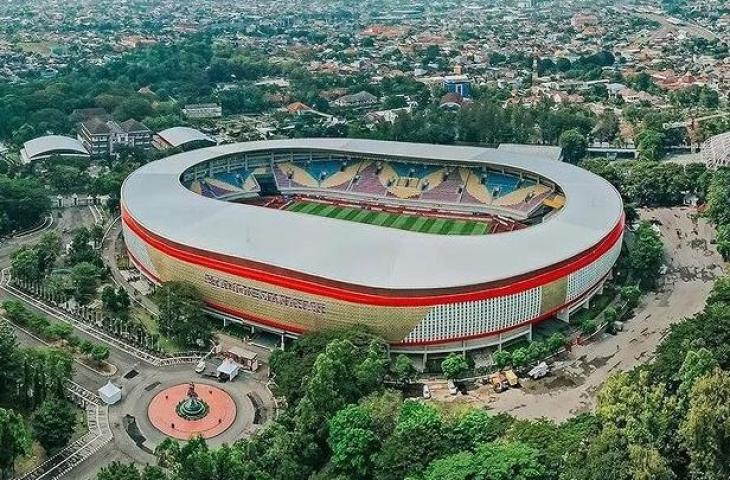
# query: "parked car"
{"type": "Point", "coordinates": [452, 387]}
{"type": "Point", "coordinates": [200, 367]}
{"type": "Point", "coordinates": [426, 391]}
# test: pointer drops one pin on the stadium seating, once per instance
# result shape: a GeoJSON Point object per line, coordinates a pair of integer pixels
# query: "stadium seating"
{"type": "Point", "coordinates": [475, 192]}
{"type": "Point", "coordinates": [440, 190]}
{"type": "Point", "coordinates": [369, 182]}
{"type": "Point", "coordinates": [341, 179]}
{"type": "Point", "coordinates": [468, 186]}
{"type": "Point", "coordinates": [520, 196]}
{"type": "Point", "coordinates": [223, 184]}
{"type": "Point", "coordinates": [500, 184]}
{"type": "Point", "coordinates": [412, 170]}
{"type": "Point", "coordinates": [321, 170]}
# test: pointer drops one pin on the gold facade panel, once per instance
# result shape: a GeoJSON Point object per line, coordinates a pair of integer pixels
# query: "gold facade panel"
{"type": "Point", "coordinates": [554, 295]}
{"type": "Point", "coordinates": [285, 306]}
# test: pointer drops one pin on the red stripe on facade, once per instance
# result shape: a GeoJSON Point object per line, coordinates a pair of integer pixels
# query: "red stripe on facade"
{"type": "Point", "coordinates": [141, 266]}
{"type": "Point", "coordinates": [256, 319]}
{"type": "Point", "coordinates": [297, 330]}
{"type": "Point", "coordinates": [304, 286]}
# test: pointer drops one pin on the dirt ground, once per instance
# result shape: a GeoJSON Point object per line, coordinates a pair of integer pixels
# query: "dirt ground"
{"type": "Point", "coordinates": [693, 263]}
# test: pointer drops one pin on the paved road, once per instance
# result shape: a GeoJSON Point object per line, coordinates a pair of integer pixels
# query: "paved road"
{"type": "Point", "coordinates": [667, 27]}
{"type": "Point", "coordinates": [111, 245]}
{"type": "Point", "coordinates": [138, 380]}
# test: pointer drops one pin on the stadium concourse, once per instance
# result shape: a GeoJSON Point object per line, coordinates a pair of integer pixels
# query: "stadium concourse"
{"type": "Point", "coordinates": [436, 248]}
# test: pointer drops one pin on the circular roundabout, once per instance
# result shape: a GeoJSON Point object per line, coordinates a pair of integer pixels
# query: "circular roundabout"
{"type": "Point", "coordinates": [185, 410]}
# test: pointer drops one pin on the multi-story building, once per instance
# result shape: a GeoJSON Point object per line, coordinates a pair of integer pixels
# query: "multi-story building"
{"type": "Point", "coordinates": [458, 84]}
{"type": "Point", "coordinates": [103, 137]}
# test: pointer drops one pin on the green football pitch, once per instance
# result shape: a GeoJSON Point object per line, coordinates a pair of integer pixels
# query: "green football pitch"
{"type": "Point", "coordinates": [413, 223]}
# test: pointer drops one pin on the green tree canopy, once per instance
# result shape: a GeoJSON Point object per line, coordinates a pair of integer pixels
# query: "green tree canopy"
{"type": "Point", "coordinates": [53, 424]}
{"type": "Point", "coordinates": [15, 441]}
{"type": "Point", "coordinates": [574, 145]}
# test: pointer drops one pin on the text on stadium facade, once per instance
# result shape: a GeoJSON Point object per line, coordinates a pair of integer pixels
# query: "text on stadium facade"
{"type": "Point", "coordinates": [271, 297]}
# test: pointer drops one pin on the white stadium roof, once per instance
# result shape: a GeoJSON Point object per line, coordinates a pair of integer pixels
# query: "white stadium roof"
{"type": "Point", "coordinates": [369, 255]}
{"type": "Point", "coordinates": [177, 136]}
{"type": "Point", "coordinates": [42, 147]}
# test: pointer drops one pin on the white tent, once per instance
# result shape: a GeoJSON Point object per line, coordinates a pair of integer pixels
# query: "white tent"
{"type": "Point", "coordinates": [229, 368]}
{"type": "Point", "coordinates": [110, 393]}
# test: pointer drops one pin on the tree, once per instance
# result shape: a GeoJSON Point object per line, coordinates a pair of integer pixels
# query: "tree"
{"type": "Point", "coordinates": [477, 426]}
{"type": "Point", "coordinates": [99, 353]}
{"type": "Point", "coordinates": [454, 366]}
{"type": "Point", "coordinates": [81, 249]}
{"type": "Point", "coordinates": [643, 82]}
{"type": "Point", "coordinates": [607, 127]}
{"type": "Point", "coordinates": [10, 359]}
{"type": "Point", "coordinates": [417, 439]}
{"type": "Point", "coordinates": [648, 464]}
{"type": "Point", "coordinates": [642, 411]}
{"type": "Point", "coordinates": [23, 202]}
{"type": "Point", "coordinates": [25, 264]}
{"type": "Point", "coordinates": [116, 302]}
{"type": "Point", "coordinates": [53, 424]}
{"type": "Point", "coordinates": [341, 375]}
{"type": "Point", "coordinates": [501, 358]}
{"type": "Point", "coordinates": [697, 363]}
{"type": "Point", "coordinates": [706, 428]}
{"type": "Point", "coordinates": [646, 255]}
{"type": "Point", "coordinates": [556, 341]}
{"type": "Point", "coordinates": [631, 295]}
{"type": "Point", "coordinates": [493, 461]}
{"type": "Point", "coordinates": [118, 471]}
{"type": "Point", "coordinates": [403, 369]}
{"type": "Point", "coordinates": [574, 145]}
{"type": "Point", "coordinates": [536, 351]}
{"type": "Point", "coordinates": [610, 315]}
{"type": "Point", "coordinates": [48, 249]}
{"type": "Point", "coordinates": [587, 326]}
{"type": "Point", "coordinates": [718, 197]}
{"type": "Point", "coordinates": [181, 314]}
{"type": "Point", "coordinates": [84, 279]}
{"type": "Point", "coordinates": [15, 441]}
{"type": "Point", "coordinates": [723, 241]}
{"type": "Point", "coordinates": [650, 145]}
{"type": "Point", "coordinates": [352, 441]}
{"type": "Point", "coordinates": [720, 292]}
{"type": "Point", "coordinates": [519, 357]}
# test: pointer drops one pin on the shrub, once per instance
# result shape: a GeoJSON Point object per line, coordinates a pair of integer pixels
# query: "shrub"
{"type": "Point", "coordinates": [519, 357]}
{"type": "Point", "coordinates": [454, 365]}
{"type": "Point", "coordinates": [588, 326]}
{"type": "Point", "coordinates": [555, 342]}
{"type": "Point", "coordinates": [501, 358]}
{"type": "Point", "coordinates": [56, 331]}
{"type": "Point", "coordinates": [610, 315]}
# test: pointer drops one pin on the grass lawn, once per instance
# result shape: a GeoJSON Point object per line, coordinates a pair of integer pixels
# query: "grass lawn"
{"type": "Point", "coordinates": [413, 223]}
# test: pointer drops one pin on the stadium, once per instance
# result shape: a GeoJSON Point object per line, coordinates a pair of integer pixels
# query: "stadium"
{"type": "Point", "coordinates": [436, 248]}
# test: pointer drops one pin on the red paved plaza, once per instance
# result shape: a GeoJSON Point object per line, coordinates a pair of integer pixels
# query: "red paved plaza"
{"type": "Point", "coordinates": [221, 413]}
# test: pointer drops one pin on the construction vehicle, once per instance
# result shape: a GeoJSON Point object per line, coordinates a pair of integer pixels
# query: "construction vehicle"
{"type": "Point", "coordinates": [539, 371]}
{"type": "Point", "coordinates": [512, 378]}
{"type": "Point", "coordinates": [499, 382]}
{"type": "Point", "coordinates": [502, 381]}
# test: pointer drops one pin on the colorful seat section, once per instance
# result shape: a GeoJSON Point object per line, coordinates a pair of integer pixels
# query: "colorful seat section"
{"type": "Point", "coordinates": [224, 184]}
{"type": "Point", "coordinates": [430, 183]}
